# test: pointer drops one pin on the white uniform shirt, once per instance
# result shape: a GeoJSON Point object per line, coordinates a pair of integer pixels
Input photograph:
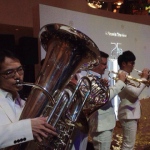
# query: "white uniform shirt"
{"type": "Point", "coordinates": [129, 107]}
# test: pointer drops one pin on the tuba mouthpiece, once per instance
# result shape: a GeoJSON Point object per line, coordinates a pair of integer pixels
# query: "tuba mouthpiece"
{"type": "Point", "coordinates": [18, 83]}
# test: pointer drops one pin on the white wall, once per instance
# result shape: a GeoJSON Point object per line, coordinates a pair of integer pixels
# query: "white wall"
{"type": "Point", "coordinates": [131, 36]}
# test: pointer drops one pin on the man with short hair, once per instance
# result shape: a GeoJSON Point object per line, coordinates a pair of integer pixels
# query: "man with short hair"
{"type": "Point", "coordinates": [12, 131]}
{"type": "Point", "coordinates": [102, 121]}
{"type": "Point", "coordinates": [129, 109]}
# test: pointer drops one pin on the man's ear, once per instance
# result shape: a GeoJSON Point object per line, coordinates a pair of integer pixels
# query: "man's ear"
{"type": "Point", "coordinates": [124, 64]}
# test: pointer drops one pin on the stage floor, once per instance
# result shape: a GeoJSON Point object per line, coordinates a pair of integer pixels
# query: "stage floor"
{"type": "Point", "coordinates": [143, 133]}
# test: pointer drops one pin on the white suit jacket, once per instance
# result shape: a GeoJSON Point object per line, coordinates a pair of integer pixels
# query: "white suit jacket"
{"type": "Point", "coordinates": [12, 131]}
{"type": "Point", "coordinates": [104, 118]}
{"type": "Point", "coordinates": [129, 107]}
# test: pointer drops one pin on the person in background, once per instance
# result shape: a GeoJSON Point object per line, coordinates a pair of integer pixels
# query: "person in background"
{"type": "Point", "coordinates": [129, 109]}
{"type": "Point", "coordinates": [12, 130]}
{"type": "Point", "coordinates": [102, 122]}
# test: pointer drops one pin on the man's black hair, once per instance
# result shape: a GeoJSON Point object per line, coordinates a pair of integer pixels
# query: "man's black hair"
{"type": "Point", "coordinates": [126, 56]}
{"type": "Point", "coordinates": [6, 53]}
{"type": "Point", "coordinates": [103, 54]}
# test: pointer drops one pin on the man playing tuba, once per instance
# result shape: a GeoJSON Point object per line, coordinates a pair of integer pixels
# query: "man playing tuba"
{"type": "Point", "coordinates": [12, 131]}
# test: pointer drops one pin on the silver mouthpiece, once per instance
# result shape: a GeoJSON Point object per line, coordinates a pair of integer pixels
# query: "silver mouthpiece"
{"type": "Point", "coordinates": [18, 83]}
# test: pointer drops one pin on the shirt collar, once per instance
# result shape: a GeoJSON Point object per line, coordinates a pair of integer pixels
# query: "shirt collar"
{"type": "Point", "coordinates": [94, 73]}
{"type": "Point", "coordinates": [17, 100]}
{"type": "Point", "coordinates": [7, 94]}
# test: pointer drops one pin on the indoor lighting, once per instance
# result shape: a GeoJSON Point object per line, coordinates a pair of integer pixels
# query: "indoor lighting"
{"type": "Point", "coordinates": [94, 4]}
{"type": "Point", "coordinates": [119, 3]}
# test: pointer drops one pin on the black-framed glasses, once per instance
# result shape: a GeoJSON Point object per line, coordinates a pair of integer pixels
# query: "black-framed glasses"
{"type": "Point", "coordinates": [10, 73]}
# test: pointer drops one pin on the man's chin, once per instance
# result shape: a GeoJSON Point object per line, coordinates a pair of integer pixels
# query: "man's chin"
{"type": "Point", "coordinates": [18, 88]}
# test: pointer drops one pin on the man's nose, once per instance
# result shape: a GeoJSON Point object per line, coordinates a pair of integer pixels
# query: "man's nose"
{"type": "Point", "coordinates": [16, 74]}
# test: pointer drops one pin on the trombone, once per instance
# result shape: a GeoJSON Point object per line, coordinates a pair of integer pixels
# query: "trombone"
{"type": "Point", "coordinates": [129, 80]}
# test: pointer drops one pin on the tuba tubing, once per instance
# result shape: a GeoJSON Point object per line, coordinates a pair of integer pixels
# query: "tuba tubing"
{"type": "Point", "coordinates": [74, 118]}
{"type": "Point", "coordinates": [19, 83]}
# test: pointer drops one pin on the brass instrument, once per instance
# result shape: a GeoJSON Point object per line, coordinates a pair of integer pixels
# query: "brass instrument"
{"type": "Point", "coordinates": [67, 51]}
{"type": "Point", "coordinates": [138, 71]}
{"type": "Point", "coordinates": [129, 80]}
{"type": "Point", "coordinates": [98, 96]}
{"type": "Point", "coordinates": [68, 107]}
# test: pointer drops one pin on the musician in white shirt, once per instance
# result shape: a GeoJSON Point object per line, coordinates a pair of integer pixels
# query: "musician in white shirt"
{"type": "Point", "coordinates": [12, 131]}
{"type": "Point", "coordinates": [129, 109]}
{"type": "Point", "coordinates": [102, 121]}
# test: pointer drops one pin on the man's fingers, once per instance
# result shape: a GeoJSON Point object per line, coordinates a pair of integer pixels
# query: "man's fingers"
{"type": "Point", "coordinates": [49, 126]}
{"type": "Point", "coordinates": [41, 128]}
{"type": "Point", "coordinates": [37, 137]}
{"type": "Point", "coordinates": [49, 129]}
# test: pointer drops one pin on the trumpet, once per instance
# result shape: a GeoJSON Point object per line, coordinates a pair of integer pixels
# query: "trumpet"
{"type": "Point", "coordinates": [138, 71]}
{"type": "Point", "coordinates": [129, 80]}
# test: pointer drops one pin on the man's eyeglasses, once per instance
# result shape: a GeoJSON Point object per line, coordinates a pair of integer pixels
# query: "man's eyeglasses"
{"type": "Point", "coordinates": [10, 73]}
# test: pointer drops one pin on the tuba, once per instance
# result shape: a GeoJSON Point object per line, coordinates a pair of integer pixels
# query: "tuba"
{"type": "Point", "coordinates": [67, 51]}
